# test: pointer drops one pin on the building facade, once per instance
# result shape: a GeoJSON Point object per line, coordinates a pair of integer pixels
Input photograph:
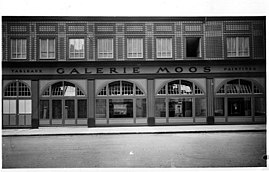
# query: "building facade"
{"type": "Point", "coordinates": [124, 71]}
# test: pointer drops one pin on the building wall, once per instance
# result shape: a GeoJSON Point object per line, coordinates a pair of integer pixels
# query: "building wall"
{"type": "Point", "coordinates": [213, 32]}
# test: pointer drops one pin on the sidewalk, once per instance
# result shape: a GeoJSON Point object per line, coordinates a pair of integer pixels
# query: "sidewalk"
{"type": "Point", "coordinates": [53, 131]}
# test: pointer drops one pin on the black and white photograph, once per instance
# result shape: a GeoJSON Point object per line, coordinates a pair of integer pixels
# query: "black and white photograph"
{"type": "Point", "coordinates": [125, 85]}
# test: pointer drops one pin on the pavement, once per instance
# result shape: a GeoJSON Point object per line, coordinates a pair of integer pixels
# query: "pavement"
{"type": "Point", "coordinates": [55, 131]}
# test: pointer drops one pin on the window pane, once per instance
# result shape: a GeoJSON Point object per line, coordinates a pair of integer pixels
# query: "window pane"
{"type": "Point", "coordinates": [141, 110]}
{"type": "Point", "coordinates": [186, 87]}
{"type": "Point", "coordinates": [200, 107]}
{"type": "Point", "coordinates": [180, 107]}
{"type": "Point", "coordinates": [82, 108]}
{"type": "Point", "coordinates": [120, 108]}
{"type": "Point", "coordinates": [56, 109]}
{"type": "Point", "coordinates": [260, 106]}
{"type": "Point", "coordinates": [174, 87]}
{"type": "Point", "coordinates": [100, 108]}
{"type": "Point", "coordinates": [114, 88]}
{"type": "Point", "coordinates": [134, 48]}
{"type": "Point", "coordinates": [105, 48]}
{"type": "Point", "coordinates": [219, 107]}
{"type": "Point", "coordinates": [160, 108]}
{"type": "Point", "coordinates": [25, 106]}
{"type": "Point", "coordinates": [9, 106]}
{"type": "Point", "coordinates": [164, 47]}
{"type": "Point", "coordinates": [44, 109]}
{"type": "Point", "coordinates": [239, 107]}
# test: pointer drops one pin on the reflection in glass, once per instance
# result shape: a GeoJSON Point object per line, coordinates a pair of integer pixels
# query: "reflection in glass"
{"type": "Point", "coordinates": [219, 107]}
{"type": "Point", "coordinates": [100, 108]}
{"type": "Point", "coordinates": [141, 110]}
{"type": "Point", "coordinates": [181, 107]}
{"type": "Point", "coordinates": [120, 108]}
{"type": "Point", "coordinates": [160, 109]}
{"type": "Point", "coordinates": [44, 109]}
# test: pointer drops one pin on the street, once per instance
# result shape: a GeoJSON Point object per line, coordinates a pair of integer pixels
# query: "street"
{"type": "Point", "coordinates": [136, 150]}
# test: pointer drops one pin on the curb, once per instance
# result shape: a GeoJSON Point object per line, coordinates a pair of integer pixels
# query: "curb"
{"type": "Point", "coordinates": [123, 133]}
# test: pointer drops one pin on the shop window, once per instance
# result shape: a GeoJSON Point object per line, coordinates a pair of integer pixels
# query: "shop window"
{"type": "Point", "coordinates": [123, 88]}
{"type": "Point", "coordinates": [200, 107]}
{"type": "Point", "coordinates": [100, 108]}
{"type": "Point", "coordinates": [56, 109]}
{"type": "Point", "coordinates": [82, 109]}
{"type": "Point", "coordinates": [260, 106]}
{"type": "Point", "coordinates": [63, 89]}
{"type": "Point", "coordinates": [164, 47]}
{"type": "Point", "coordinates": [25, 106]}
{"type": "Point", "coordinates": [162, 91]}
{"type": "Point", "coordinates": [18, 48]}
{"type": "Point", "coordinates": [47, 48]}
{"type": "Point", "coordinates": [141, 108]}
{"type": "Point", "coordinates": [17, 89]}
{"type": "Point", "coordinates": [105, 48]}
{"type": "Point", "coordinates": [135, 48]}
{"type": "Point", "coordinates": [181, 107]}
{"type": "Point", "coordinates": [44, 109]}
{"type": "Point", "coordinates": [219, 107]}
{"type": "Point", "coordinates": [9, 106]}
{"type": "Point", "coordinates": [181, 87]}
{"type": "Point", "coordinates": [193, 47]}
{"type": "Point", "coordinates": [238, 47]}
{"type": "Point", "coordinates": [120, 108]}
{"type": "Point", "coordinates": [160, 107]}
{"type": "Point", "coordinates": [239, 106]}
{"type": "Point", "coordinates": [76, 48]}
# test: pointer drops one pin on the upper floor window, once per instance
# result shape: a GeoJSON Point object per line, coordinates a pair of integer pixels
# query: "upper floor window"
{"type": "Point", "coordinates": [238, 46]}
{"type": "Point", "coordinates": [193, 47]}
{"type": "Point", "coordinates": [47, 48]}
{"type": "Point", "coordinates": [164, 47]}
{"type": "Point", "coordinates": [18, 48]}
{"type": "Point", "coordinates": [105, 48]}
{"type": "Point", "coordinates": [135, 48]}
{"type": "Point", "coordinates": [76, 48]}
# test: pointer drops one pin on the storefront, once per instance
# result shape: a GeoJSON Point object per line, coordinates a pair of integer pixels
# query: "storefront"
{"type": "Point", "coordinates": [127, 94]}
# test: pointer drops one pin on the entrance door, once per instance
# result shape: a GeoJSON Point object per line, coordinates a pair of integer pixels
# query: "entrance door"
{"type": "Point", "coordinates": [63, 112]}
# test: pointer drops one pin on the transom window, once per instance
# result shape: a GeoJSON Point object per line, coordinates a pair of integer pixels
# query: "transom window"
{"type": "Point", "coordinates": [18, 48]}
{"type": "Point", "coordinates": [239, 86]}
{"type": "Point", "coordinates": [238, 47]}
{"type": "Point", "coordinates": [17, 89]}
{"type": "Point", "coordinates": [135, 48]}
{"type": "Point", "coordinates": [105, 48]}
{"type": "Point", "coordinates": [63, 89]}
{"type": "Point", "coordinates": [164, 47]}
{"type": "Point", "coordinates": [47, 48]}
{"type": "Point", "coordinates": [120, 88]}
{"type": "Point", "coordinates": [180, 87]}
{"type": "Point", "coordinates": [76, 48]}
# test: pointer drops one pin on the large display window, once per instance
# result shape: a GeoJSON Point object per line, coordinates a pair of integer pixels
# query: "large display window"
{"type": "Point", "coordinates": [120, 101]}
{"type": "Point", "coordinates": [63, 103]}
{"type": "Point", "coordinates": [239, 99]}
{"type": "Point", "coordinates": [180, 101]}
{"type": "Point", "coordinates": [17, 105]}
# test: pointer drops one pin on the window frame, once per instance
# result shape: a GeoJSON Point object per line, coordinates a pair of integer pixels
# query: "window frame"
{"type": "Point", "coordinates": [97, 48]}
{"type": "Point", "coordinates": [69, 49]}
{"type": "Point", "coordinates": [47, 52]}
{"type": "Point", "coordinates": [16, 53]}
{"type": "Point", "coordinates": [237, 36]}
{"type": "Point", "coordinates": [141, 47]}
{"type": "Point", "coordinates": [156, 47]}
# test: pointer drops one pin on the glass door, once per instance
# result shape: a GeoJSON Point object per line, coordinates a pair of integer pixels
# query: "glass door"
{"type": "Point", "coordinates": [69, 112]}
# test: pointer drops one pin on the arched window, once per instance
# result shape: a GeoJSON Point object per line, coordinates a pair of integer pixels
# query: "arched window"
{"type": "Point", "coordinates": [180, 87]}
{"type": "Point", "coordinates": [240, 97]}
{"type": "Point", "coordinates": [176, 99]}
{"type": "Point", "coordinates": [17, 89]}
{"type": "Point", "coordinates": [120, 88]}
{"type": "Point", "coordinates": [17, 105]}
{"type": "Point", "coordinates": [239, 86]}
{"type": "Point", "coordinates": [63, 88]}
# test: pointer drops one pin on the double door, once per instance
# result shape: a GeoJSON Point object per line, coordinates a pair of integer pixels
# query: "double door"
{"type": "Point", "coordinates": [63, 112]}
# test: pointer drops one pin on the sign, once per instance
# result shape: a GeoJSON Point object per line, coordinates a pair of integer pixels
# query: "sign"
{"type": "Point", "coordinates": [131, 70]}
